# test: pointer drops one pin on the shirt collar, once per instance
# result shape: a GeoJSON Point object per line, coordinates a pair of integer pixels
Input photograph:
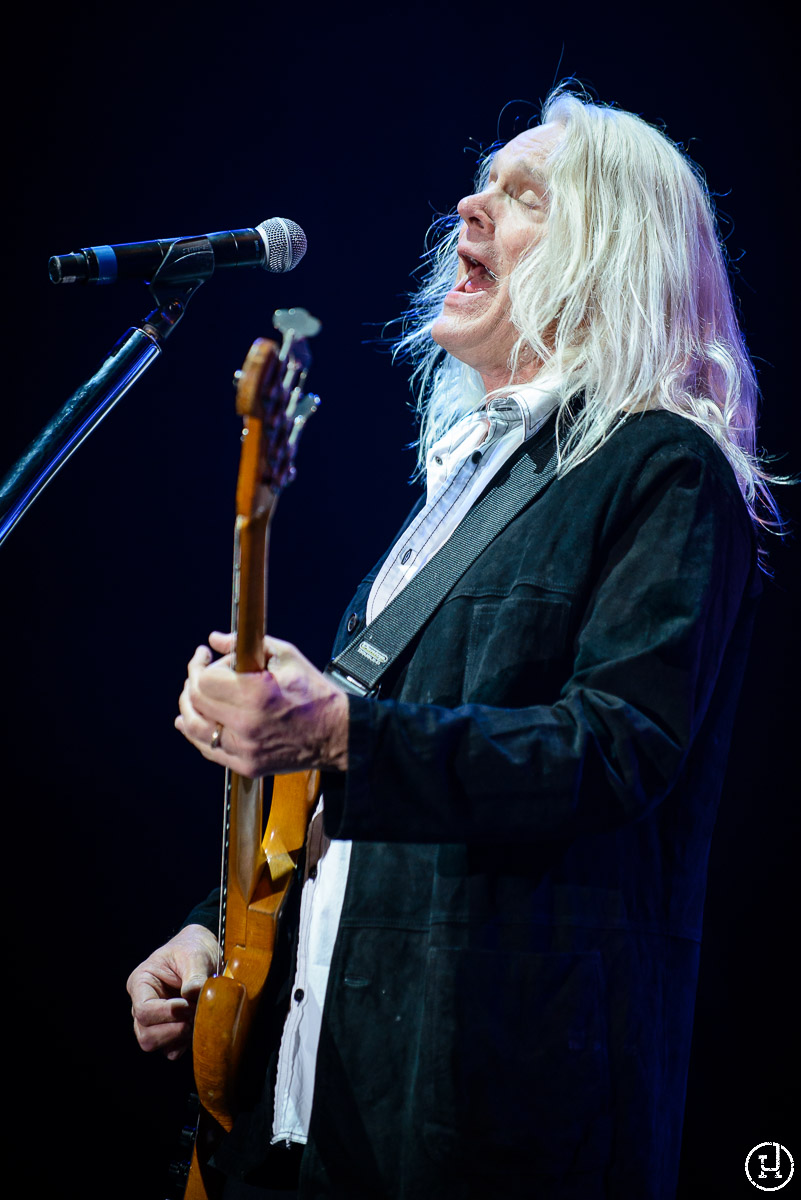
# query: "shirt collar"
{"type": "Point", "coordinates": [519, 414]}
{"type": "Point", "coordinates": [531, 405]}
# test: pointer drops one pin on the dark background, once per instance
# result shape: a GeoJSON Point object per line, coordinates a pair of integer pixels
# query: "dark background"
{"type": "Point", "coordinates": [360, 124]}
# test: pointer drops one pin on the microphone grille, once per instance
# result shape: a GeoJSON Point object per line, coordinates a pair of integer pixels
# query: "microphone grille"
{"type": "Point", "coordinates": [284, 243]}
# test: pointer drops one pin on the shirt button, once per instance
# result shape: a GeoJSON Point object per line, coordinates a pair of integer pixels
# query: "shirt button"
{"type": "Point", "coordinates": [313, 872]}
{"type": "Point", "coordinates": [298, 995]}
{"type": "Point", "coordinates": [438, 460]}
{"type": "Point", "coordinates": [353, 621]}
{"type": "Point", "coordinates": [406, 557]}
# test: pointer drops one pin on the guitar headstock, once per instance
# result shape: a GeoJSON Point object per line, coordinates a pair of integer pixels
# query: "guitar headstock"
{"type": "Point", "coordinates": [275, 408]}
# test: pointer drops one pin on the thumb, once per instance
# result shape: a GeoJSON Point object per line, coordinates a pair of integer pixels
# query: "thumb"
{"type": "Point", "coordinates": [195, 966]}
{"type": "Point", "coordinates": [223, 643]}
{"type": "Point", "coordinates": [193, 984]}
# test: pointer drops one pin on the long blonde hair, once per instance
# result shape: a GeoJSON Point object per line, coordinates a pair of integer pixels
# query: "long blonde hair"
{"type": "Point", "coordinates": [627, 298]}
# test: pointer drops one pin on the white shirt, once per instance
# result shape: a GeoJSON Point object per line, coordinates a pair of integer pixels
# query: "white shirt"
{"type": "Point", "coordinates": [458, 468]}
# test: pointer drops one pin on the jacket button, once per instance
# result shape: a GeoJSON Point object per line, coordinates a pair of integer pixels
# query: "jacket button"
{"type": "Point", "coordinates": [353, 621]}
{"type": "Point", "coordinates": [298, 995]}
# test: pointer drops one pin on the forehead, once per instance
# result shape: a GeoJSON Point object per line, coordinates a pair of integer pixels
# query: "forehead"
{"type": "Point", "coordinates": [530, 149]}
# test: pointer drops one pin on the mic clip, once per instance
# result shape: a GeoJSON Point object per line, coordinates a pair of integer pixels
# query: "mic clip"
{"type": "Point", "coordinates": [188, 260]}
{"type": "Point", "coordinates": [187, 264]}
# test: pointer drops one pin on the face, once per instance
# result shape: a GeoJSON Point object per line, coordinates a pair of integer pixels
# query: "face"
{"type": "Point", "coordinates": [498, 224]}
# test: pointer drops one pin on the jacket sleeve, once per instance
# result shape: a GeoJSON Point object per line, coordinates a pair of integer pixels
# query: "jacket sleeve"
{"type": "Point", "coordinates": [647, 654]}
{"type": "Point", "coordinates": [207, 913]}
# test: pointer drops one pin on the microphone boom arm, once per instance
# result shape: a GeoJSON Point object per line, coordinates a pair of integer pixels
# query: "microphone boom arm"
{"type": "Point", "coordinates": [126, 362]}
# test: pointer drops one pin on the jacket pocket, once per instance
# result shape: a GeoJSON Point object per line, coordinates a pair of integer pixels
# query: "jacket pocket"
{"type": "Point", "coordinates": [515, 648]}
{"type": "Point", "coordinates": [515, 1065]}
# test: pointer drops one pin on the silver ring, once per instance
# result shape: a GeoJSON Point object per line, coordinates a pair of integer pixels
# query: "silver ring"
{"type": "Point", "coordinates": [216, 737]}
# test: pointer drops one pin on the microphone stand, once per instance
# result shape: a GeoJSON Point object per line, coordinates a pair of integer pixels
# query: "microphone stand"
{"type": "Point", "coordinates": [86, 408]}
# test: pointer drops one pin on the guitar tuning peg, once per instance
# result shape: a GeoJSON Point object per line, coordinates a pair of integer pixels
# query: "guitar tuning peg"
{"type": "Point", "coordinates": [301, 322]}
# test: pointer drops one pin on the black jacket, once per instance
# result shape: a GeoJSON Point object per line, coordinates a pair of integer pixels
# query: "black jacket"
{"type": "Point", "coordinates": [510, 1003]}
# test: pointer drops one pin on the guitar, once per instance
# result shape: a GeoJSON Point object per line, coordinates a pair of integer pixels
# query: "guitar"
{"type": "Point", "coordinates": [256, 870]}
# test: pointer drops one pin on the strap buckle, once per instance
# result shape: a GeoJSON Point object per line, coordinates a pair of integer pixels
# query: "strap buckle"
{"type": "Point", "coordinates": [350, 683]}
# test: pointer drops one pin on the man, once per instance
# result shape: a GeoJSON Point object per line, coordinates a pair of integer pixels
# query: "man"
{"type": "Point", "coordinates": [498, 935]}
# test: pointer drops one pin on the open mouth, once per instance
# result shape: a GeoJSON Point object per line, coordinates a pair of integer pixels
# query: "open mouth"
{"type": "Point", "coordinates": [478, 277]}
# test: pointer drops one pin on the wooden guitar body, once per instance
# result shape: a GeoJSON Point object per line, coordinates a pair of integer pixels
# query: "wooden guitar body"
{"type": "Point", "coordinates": [228, 1003]}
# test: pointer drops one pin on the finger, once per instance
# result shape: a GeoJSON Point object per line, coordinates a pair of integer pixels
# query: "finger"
{"type": "Point", "coordinates": [203, 658]}
{"type": "Point", "coordinates": [207, 702]}
{"type": "Point", "coordinates": [223, 643]}
{"type": "Point", "coordinates": [276, 650]}
{"type": "Point", "coordinates": [201, 669]}
{"type": "Point", "coordinates": [225, 662]}
{"type": "Point", "coordinates": [200, 727]}
{"type": "Point", "coordinates": [199, 733]}
{"type": "Point", "coordinates": [224, 694]}
{"type": "Point", "coordinates": [162, 1012]}
{"type": "Point", "coordinates": [155, 979]}
{"type": "Point", "coordinates": [171, 1038]}
{"type": "Point", "coordinates": [196, 726]}
{"type": "Point", "coordinates": [285, 662]}
{"type": "Point", "coordinates": [200, 659]}
{"type": "Point", "coordinates": [233, 758]}
{"type": "Point", "coordinates": [274, 645]}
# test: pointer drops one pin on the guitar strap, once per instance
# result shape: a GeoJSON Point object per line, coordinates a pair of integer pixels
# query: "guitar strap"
{"type": "Point", "coordinates": [360, 667]}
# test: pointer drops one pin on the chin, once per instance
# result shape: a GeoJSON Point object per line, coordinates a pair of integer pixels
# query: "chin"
{"type": "Point", "coordinates": [452, 335]}
{"type": "Point", "coordinates": [439, 331]}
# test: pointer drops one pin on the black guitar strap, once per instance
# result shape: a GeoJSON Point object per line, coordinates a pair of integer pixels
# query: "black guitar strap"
{"type": "Point", "coordinates": [360, 667]}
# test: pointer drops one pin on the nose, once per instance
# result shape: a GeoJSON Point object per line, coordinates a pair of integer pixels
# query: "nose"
{"type": "Point", "coordinates": [474, 210]}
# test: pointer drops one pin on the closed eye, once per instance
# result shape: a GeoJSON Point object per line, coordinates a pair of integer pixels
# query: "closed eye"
{"type": "Point", "coordinates": [528, 198]}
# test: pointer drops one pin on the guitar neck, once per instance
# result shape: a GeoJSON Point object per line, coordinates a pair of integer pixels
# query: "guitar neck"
{"type": "Point", "coordinates": [249, 590]}
{"type": "Point", "coordinates": [243, 856]}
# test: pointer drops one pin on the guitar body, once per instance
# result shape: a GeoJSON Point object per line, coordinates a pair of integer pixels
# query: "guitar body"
{"type": "Point", "coordinates": [228, 1003]}
{"type": "Point", "coordinates": [258, 865]}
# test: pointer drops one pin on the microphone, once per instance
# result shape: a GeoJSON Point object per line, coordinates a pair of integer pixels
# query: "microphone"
{"type": "Point", "coordinates": [277, 245]}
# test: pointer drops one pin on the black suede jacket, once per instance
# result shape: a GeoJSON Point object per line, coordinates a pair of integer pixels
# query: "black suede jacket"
{"type": "Point", "coordinates": [510, 1003]}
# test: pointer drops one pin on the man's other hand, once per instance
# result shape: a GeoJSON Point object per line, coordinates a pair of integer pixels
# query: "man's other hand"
{"type": "Point", "coordinates": [164, 990]}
